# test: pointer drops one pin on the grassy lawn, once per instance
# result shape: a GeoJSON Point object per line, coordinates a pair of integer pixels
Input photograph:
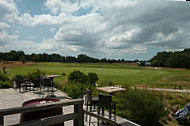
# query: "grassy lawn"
{"type": "Point", "coordinates": [117, 74]}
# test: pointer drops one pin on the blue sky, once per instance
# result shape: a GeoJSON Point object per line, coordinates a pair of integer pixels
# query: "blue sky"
{"type": "Point", "coordinates": [129, 29]}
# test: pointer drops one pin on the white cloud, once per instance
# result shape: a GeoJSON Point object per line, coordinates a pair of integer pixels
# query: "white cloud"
{"type": "Point", "coordinates": [8, 10]}
{"type": "Point", "coordinates": [45, 19]}
{"type": "Point", "coordinates": [56, 6]}
{"type": "Point", "coordinates": [52, 29]}
{"type": "Point", "coordinates": [4, 26]}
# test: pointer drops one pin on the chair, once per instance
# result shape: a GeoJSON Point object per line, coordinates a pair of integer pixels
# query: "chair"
{"type": "Point", "coordinates": [105, 102]}
{"type": "Point", "coordinates": [47, 84]}
{"type": "Point", "coordinates": [91, 101]}
{"type": "Point", "coordinates": [36, 84]}
{"type": "Point", "coordinates": [21, 83]}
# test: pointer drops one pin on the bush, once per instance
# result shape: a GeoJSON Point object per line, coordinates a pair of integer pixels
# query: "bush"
{"type": "Point", "coordinates": [5, 84]}
{"type": "Point", "coordinates": [75, 91]}
{"type": "Point", "coordinates": [35, 74]}
{"type": "Point", "coordinates": [3, 77]}
{"type": "Point", "coordinates": [143, 107]}
{"type": "Point", "coordinates": [92, 78]}
{"type": "Point", "coordinates": [77, 77]}
{"type": "Point", "coordinates": [17, 76]}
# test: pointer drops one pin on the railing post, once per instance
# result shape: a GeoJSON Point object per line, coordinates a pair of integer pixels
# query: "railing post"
{"type": "Point", "coordinates": [78, 108]}
{"type": "Point", "coordinates": [1, 121]}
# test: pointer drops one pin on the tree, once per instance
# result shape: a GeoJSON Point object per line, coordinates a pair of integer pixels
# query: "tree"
{"type": "Point", "coordinates": [92, 78]}
{"type": "Point", "coordinates": [77, 77]}
{"type": "Point", "coordinates": [22, 59]}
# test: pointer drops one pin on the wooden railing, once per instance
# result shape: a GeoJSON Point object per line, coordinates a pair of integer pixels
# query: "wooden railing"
{"type": "Point", "coordinates": [77, 115]}
{"type": "Point", "coordinates": [109, 121]}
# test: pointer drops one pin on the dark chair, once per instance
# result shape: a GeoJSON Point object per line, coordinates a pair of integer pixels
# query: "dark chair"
{"type": "Point", "coordinates": [47, 84]}
{"type": "Point", "coordinates": [36, 84]}
{"type": "Point", "coordinates": [91, 101]}
{"type": "Point", "coordinates": [21, 83]}
{"type": "Point", "coordinates": [105, 102]}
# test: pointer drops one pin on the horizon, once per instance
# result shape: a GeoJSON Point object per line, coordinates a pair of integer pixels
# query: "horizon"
{"type": "Point", "coordinates": [121, 29]}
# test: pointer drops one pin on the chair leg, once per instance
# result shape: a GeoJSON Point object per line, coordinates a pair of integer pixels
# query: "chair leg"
{"type": "Point", "coordinates": [98, 114]}
{"type": "Point", "coordinates": [109, 113]}
{"type": "Point", "coordinates": [87, 110]}
{"type": "Point", "coordinates": [115, 114]}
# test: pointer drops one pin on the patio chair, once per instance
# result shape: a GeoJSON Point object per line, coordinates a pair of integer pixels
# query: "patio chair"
{"type": "Point", "coordinates": [105, 102]}
{"type": "Point", "coordinates": [47, 84]}
{"type": "Point", "coordinates": [21, 83]}
{"type": "Point", "coordinates": [91, 101]}
{"type": "Point", "coordinates": [36, 84]}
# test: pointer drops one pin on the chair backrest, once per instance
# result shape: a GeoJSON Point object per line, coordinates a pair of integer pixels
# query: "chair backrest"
{"type": "Point", "coordinates": [105, 101]}
{"type": "Point", "coordinates": [19, 80]}
{"type": "Point", "coordinates": [47, 82]}
{"type": "Point", "coordinates": [89, 96]}
{"type": "Point", "coordinates": [36, 82]}
{"type": "Point", "coordinates": [42, 77]}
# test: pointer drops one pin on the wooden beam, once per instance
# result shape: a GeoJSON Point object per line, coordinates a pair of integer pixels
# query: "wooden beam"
{"type": "Point", "coordinates": [1, 120]}
{"type": "Point", "coordinates": [50, 120]}
{"type": "Point", "coordinates": [101, 118]}
{"type": "Point", "coordinates": [39, 107]}
{"type": "Point", "coordinates": [79, 110]}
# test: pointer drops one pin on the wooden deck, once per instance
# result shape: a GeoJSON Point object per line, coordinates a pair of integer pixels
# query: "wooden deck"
{"type": "Point", "coordinates": [11, 98]}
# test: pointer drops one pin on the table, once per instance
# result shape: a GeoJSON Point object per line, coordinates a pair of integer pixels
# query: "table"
{"type": "Point", "coordinates": [111, 89]}
{"type": "Point", "coordinates": [52, 77]}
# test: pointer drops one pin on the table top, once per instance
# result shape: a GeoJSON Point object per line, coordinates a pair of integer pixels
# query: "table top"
{"type": "Point", "coordinates": [111, 89]}
{"type": "Point", "coordinates": [52, 76]}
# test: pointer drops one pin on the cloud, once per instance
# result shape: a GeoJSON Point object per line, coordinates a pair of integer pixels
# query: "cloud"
{"type": "Point", "coordinates": [4, 26]}
{"type": "Point", "coordinates": [8, 10]}
{"type": "Point", "coordinates": [56, 6]}
{"type": "Point", "coordinates": [108, 28]}
{"type": "Point", "coordinates": [44, 19]}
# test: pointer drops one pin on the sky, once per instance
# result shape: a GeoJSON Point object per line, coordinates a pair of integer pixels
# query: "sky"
{"type": "Point", "coordinates": [128, 29]}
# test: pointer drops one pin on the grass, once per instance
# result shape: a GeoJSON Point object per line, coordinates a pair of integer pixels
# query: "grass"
{"type": "Point", "coordinates": [117, 74]}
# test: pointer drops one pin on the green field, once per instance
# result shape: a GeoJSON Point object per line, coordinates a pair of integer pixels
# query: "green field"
{"type": "Point", "coordinates": [117, 74]}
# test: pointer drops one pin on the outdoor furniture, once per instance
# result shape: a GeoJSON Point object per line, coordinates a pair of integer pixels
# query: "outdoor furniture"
{"type": "Point", "coordinates": [105, 102]}
{"type": "Point", "coordinates": [51, 77]}
{"type": "Point", "coordinates": [111, 89]}
{"type": "Point", "coordinates": [91, 101]}
{"type": "Point", "coordinates": [36, 84]}
{"type": "Point", "coordinates": [47, 84]}
{"type": "Point", "coordinates": [21, 83]}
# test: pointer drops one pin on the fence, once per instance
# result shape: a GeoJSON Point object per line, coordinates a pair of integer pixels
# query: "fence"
{"type": "Point", "coordinates": [77, 116]}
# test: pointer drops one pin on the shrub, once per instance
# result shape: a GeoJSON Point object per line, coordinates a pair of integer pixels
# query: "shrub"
{"type": "Point", "coordinates": [75, 91]}
{"type": "Point", "coordinates": [63, 74]}
{"type": "Point", "coordinates": [77, 77]}
{"type": "Point", "coordinates": [143, 107]}
{"type": "Point", "coordinates": [5, 84]}
{"type": "Point", "coordinates": [17, 76]}
{"type": "Point", "coordinates": [92, 78]}
{"type": "Point", "coordinates": [3, 77]}
{"type": "Point", "coordinates": [35, 74]}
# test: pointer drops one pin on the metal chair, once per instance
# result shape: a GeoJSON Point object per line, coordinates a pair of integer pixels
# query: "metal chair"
{"type": "Point", "coordinates": [36, 84]}
{"type": "Point", "coordinates": [21, 83]}
{"type": "Point", "coordinates": [105, 102]}
{"type": "Point", "coordinates": [91, 101]}
{"type": "Point", "coordinates": [47, 84]}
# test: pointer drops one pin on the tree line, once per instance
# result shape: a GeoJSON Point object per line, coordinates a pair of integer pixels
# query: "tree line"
{"type": "Point", "coordinates": [177, 59]}
{"type": "Point", "coordinates": [44, 57]}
